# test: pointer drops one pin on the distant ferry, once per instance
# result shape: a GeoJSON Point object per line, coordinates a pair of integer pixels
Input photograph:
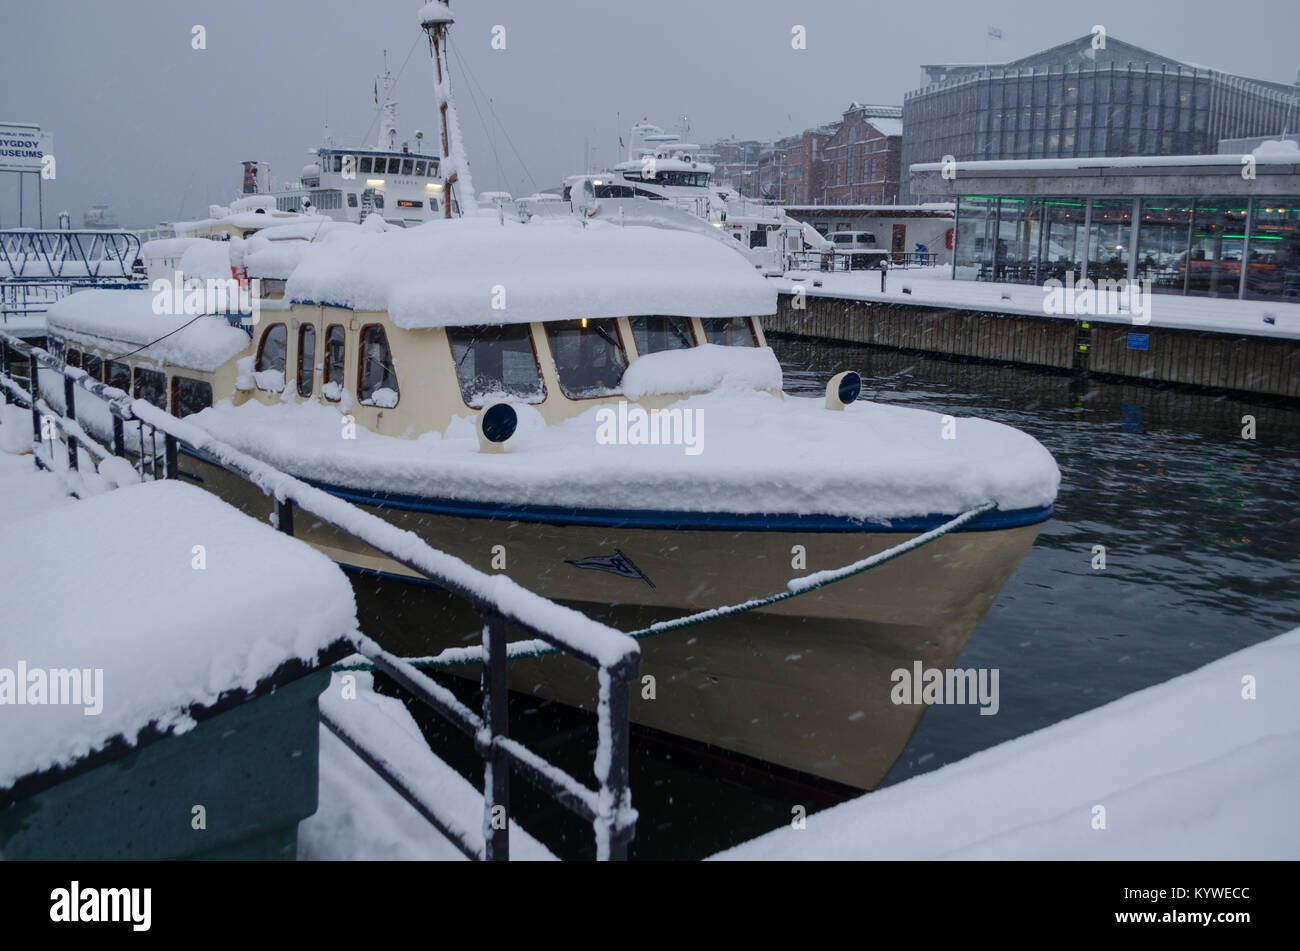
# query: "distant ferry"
{"type": "Point", "coordinates": [99, 217]}
{"type": "Point", "coordinates": [404, 185]}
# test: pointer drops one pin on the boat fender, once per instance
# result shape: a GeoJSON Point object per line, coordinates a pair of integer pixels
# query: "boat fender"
{"type": "Point", "coordinates": [496, 424]}
{"type": "Point", "coordinates": [843, 389]}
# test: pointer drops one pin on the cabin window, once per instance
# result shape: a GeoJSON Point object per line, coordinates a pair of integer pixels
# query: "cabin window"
{"type": "Point", "coordinates": [93, 366]}
{"type": "Point", "coordinates": [335, 350]}
{"type": "Point", "coordinates": [654, 334]}
{"type": "Point", "coordinates": [496, 362]}
{"type": "Point", "coordinates": [118, 375]}
{"type": "Point", "coordinates": [407, 166]}
{"type": "Point", "coordinates": [379, 200]}
{"type": "Point", "coordinates": [338, 163]}
{"type": "Point", "coordinates": [589, 357]}
{"type": "Point", "coordinates": [729, 331]}
{"type": "Point", "coordinates": [151, 385]}
{"type": "Point", "coordinates": [269, 370]}
{"type": "Point", "coordinates": [376, 378]}
{"type": "Point", "coordinates": [306, 359]}
{"type": "Point", "coordinates": [352, 199]}
{"type": "Point", "coordinates": [72, 358]}
{"type": "Point", "coordinates": [190, 396]}
{"type": "Point", "coordinates": [419, 168]}
{"type": "Point", "coordinates": [366, 162]}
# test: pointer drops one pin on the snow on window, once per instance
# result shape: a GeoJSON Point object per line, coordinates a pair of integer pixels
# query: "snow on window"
{"type": "Point", "coordinates": [589, 357]}
{"type": "Point", "coordinates": [268, 372]}
{"type": "Point", "coordinates": [335, 351]}
{"type": "Point", "coordinates": [496, 361]}
{"type": "Point", "coordinates": [377, 372]}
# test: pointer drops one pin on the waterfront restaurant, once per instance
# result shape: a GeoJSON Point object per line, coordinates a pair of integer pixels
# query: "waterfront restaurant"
{"type": "Point", "coordinates": [1201, 225]}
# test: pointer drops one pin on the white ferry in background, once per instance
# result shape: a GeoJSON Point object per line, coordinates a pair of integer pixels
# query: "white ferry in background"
{"type": "Point", "coordinates": [661, 167]}
{"type": "Point", "coordinates": [402, 183]}
{"type": "Point", "coordinates": [100, 217]}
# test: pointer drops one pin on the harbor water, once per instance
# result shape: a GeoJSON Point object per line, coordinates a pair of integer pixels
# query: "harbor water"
{"type": "Point", "coordinates": [1176, 541]}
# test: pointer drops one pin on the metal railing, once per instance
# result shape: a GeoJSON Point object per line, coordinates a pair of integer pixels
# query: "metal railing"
{"type": "Point", "coordinates": [867, 259]}
{"type": "Point", "coordinates": [498, 602]}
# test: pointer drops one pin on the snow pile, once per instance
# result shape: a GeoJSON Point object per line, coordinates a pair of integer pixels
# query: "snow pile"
{"type": "Point", "coordinates": [760, 453]}
{"type": "Point", "coordinates": [120, 320]}
{"type": "Point", "coordinates": [701, 370]}
{"type": "Point", "coordinates": [1188, 769]}
{"type": "Point", "coordinates": [169, 623]}
{"type": "Point", "coordinates": [275, 251]}
{"type": "Point", "coordinates": [1278, 149]}
{"type": "Point", "coordinates": [451, 273]}
{"type": "Point", "coordinates": [360, 816]}
{"type": "Point", "coordinates": [207, 260]}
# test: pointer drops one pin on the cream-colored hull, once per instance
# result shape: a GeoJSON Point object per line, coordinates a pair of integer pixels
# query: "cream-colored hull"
{"type": "Point", "coordinates": [804, 683]}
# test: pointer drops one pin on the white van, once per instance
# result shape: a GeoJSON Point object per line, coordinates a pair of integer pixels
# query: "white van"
{"type": "Point", "coordinates": [853, 250]}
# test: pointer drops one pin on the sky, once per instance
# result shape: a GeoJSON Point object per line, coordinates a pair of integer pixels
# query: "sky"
{"type": "Point", "coordinates": [157, 129]}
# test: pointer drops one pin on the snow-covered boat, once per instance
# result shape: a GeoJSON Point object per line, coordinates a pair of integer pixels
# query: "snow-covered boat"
{"type": "Point", "coordinates": [592, 410]}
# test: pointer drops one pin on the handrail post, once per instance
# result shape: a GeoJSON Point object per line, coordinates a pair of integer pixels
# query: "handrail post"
{"type": "Point", "coordinates": [70, 411]}
{"type": "Point", "coordinates": [496, 765]}
{"type": "Point", "coordinates": [34, 384]}
{"type": "Point", "coordinates": [169, 450]}
{"type": "Point", "coordinates": [283, 514]}
{"type": "Point", "coordinates": [621, 679]}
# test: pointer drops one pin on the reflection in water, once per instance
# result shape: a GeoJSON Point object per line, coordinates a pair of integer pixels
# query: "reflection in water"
{"type": "Point", "coordinates": [1201, 530]}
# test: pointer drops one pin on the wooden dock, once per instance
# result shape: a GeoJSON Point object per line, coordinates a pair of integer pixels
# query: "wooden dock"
{"type": "Point", "coordinates": [1214, 360]}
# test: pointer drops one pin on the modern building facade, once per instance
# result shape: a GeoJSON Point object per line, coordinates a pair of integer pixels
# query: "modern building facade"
{"type": "Point", "coordinates": [1201, 225]}
{"type": "Point", "coordinates": [1075, 101]}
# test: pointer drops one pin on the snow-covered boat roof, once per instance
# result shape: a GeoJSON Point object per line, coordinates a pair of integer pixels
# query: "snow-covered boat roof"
{"type": "Point", "coordinates": [112, 318]}
{"type": "Point", "coordinates": [239, 625]}
{"type": "Point", "coordinates": [448, 273]}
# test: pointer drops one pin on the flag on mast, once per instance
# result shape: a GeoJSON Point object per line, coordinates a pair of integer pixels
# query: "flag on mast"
{"type": "Point", "coordinates": [995, 32]}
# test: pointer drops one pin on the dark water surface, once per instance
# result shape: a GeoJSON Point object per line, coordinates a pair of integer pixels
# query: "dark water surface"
{"type": "Point", "coordinates": [1201, 530]}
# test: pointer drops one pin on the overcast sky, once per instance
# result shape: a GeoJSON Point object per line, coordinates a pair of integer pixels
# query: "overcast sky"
{"type": "Point", "coordinates": [157, 129]}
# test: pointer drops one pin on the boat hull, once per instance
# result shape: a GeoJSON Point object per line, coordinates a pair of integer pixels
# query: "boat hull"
{"type": "Point", "coordinates": [804, 683]}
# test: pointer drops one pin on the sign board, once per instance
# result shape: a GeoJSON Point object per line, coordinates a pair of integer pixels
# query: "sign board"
{"type": "Point", "coordinates": [23, 146]}
{"type": "Point", "coordinates": [1139, 341]}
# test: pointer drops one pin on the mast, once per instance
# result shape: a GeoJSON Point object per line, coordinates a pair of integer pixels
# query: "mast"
{"type": "Point", "coordinates": [387, 141]}
{"type": "Point", "coordinates": [435, 18]}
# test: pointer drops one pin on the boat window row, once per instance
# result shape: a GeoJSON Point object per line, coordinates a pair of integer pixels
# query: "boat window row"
{"type": "Point", "coordinates": [494, 361]}
{"type": "Point", "coordinates": [376, 372]}
{"type": "Point", "coordinates": [184, 397]}
{"type": "Point", "coordinates": [691, 179]}
{"type": "Point", "coordinates": [389, 165]}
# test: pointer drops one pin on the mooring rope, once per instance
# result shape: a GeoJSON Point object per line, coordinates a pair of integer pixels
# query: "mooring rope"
{"type": "Point", "coordinates": [795, 587]}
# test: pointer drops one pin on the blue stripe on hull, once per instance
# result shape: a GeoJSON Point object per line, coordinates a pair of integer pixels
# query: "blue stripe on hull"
{"type": "Point", "coordinates": [994, 521]}
{"type": "Point", "coordinates": [699, 521]}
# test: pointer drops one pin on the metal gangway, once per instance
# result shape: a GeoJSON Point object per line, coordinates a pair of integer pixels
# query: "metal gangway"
{"type": "Point", "coordinates": [38, 267]}
{"type": "Point", "coordinates": [151, 439]}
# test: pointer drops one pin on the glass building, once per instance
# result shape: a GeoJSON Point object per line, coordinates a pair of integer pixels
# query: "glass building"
{"type": "Point", "coordinates": [1181, 244]}
{"type": "Point", "coordinates": [1076, 101]}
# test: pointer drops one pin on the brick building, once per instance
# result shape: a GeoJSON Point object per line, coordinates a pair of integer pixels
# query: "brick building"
{"type": "Point", "coordinates": [861, 162]}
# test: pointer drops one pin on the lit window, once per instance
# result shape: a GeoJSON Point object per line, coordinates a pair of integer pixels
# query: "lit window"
{"type": "Point", "coordinates": [589, 358]}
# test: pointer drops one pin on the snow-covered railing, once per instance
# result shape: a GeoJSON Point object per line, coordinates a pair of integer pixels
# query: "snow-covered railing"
{"type": "Point", "coordinates": [498, 601]}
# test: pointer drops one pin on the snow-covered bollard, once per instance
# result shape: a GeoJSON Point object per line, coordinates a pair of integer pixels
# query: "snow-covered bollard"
{"type": "Point", "coordinates": [496, 424]}
{"type": "Point", "coordinates": [843, 389]}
